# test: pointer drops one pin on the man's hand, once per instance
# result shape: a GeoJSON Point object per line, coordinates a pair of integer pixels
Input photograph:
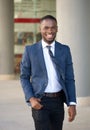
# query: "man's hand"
{"type": "Point", "coordinates": [71, 113]}
{"type": "Point", "coordinates": [35, 103]}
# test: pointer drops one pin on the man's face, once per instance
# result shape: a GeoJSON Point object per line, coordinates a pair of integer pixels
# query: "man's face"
{"type": "Point", "coordinates": [48, 30]}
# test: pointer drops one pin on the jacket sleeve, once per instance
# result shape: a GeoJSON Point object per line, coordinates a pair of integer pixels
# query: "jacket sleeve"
{"type": "Point", "coordinates": [69, 78]}
{"type": "Point", "coordinates": [25, 75]}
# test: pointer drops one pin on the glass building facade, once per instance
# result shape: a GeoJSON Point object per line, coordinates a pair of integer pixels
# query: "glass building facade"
{"type": "Point", "coordinates": [27, 14]}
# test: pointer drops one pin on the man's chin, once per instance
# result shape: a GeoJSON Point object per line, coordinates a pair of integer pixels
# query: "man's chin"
{"type": "Point", "coordinates": [50, 40]}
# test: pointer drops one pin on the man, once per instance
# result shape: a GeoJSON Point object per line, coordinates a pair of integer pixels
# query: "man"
{"type": "Point", "coordinates": [47, 78]}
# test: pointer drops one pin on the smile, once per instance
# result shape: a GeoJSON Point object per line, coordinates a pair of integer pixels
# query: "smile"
{"type": "Point", "coordinates": [49, 35]}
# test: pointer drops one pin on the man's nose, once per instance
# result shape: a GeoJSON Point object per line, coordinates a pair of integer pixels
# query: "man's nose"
{"type": "Point", "coordinates": [49, 30]}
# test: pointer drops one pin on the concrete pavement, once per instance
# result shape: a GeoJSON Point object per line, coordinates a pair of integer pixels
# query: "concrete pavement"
{"type": "Point", "coordinates": [16, 115]}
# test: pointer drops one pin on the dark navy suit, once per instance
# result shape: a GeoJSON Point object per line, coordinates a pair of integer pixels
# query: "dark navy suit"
{"type": "Point", "coordinates": [34, 77]}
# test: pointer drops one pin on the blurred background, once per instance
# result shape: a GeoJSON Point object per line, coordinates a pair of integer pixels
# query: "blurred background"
{"type": "Point", "coordinates": [27, 14]}
{"type": "Point", "coordinates": [19, 26]}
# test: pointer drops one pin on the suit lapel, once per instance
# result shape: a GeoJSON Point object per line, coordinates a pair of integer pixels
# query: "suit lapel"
{"type": "Point", "coordinates": [58, 56]}
{"type": "Point", "coordinates": [57, 50]}
{"type": "Point", "coordinates": [40, 57]}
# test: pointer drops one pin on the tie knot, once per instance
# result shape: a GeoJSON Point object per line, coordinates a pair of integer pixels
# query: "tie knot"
{"type": "Point", "coordinates": [49, 47]}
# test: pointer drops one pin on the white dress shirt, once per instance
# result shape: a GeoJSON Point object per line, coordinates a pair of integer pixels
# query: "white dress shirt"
{"type": "Point", "coordinates": [53, 83]}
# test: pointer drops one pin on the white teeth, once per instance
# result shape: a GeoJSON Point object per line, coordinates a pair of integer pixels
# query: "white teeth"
{"type": "Point", "coordinates": [49, 35]}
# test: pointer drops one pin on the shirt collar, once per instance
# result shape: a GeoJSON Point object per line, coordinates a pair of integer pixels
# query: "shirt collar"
{"type": "Point", "coordinates": [44, 44]}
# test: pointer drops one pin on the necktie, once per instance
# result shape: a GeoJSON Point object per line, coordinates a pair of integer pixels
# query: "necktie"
{"type": "Point", "coordinates": [50, 53]}
{"type": "Point", "coordinates": [52, 56]}
{"type": "Point", "coordinates": [55, 62]}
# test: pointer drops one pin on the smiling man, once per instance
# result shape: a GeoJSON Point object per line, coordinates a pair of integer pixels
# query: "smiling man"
{"type": "Point", "coordinates": [48, 30]}
{"type": "Point", "coordinates": [47, 78]}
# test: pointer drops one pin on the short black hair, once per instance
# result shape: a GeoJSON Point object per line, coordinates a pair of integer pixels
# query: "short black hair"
{"type": "Point", "coordinates": [48, 17]}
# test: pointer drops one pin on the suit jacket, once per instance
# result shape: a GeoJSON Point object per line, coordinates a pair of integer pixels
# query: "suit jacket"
{"type": "Point", "coordinates": [34, 77]}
